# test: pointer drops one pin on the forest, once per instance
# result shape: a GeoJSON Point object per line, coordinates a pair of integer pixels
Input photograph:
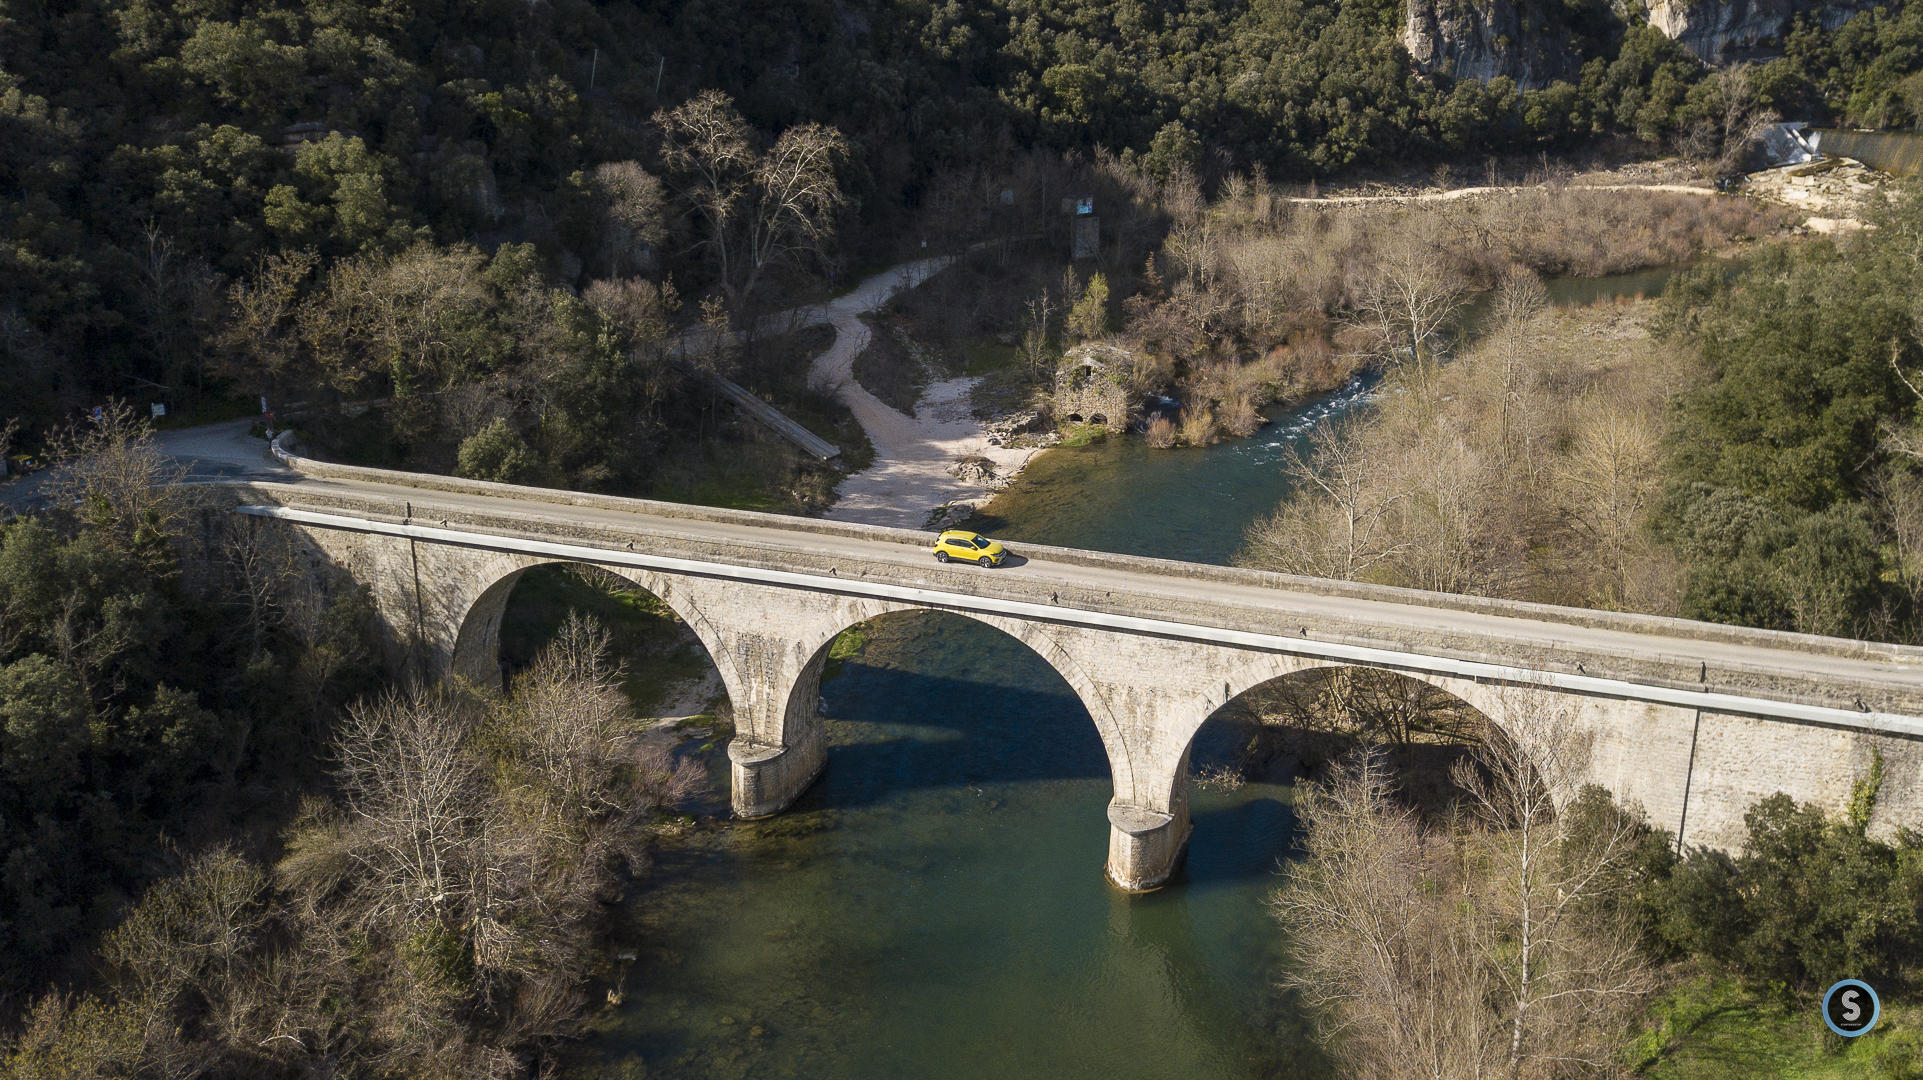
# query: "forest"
{"type": "Point", "coordinates": [466, 235]}
{"type": "Point", "coordinates": [222, 164]}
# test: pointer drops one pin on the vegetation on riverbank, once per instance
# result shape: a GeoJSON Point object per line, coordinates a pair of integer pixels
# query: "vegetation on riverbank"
{"type": "Point", "coordinates": [227, 856]}
{"type": "Point", "coordinates": [1525, 468]}
{"type": "Point", "coordinates": [167, 682]}
{"type": "Point", "coordinates": [1504, 937]}
{"type": "Point", "coordinates": [1462, 908]}
{"type": "Point", "coordinates": [1252, 297]}
{"type": "Point", "coordinates": [436, 915]}
{"type": "Point", "coordinates": [1752, 462]}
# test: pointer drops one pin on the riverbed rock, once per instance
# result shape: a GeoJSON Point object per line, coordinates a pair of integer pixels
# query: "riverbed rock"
{"type": "Point", "coordinates": [1004, 430]}
{"type": "Point", "coordinates": [1831, 190]}
{"type": "Point", "coordinates": [977, 470]}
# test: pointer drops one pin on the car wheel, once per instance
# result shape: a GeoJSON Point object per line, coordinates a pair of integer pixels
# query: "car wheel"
{"type": "Point", "coordinates": [941, 556]}
{"type": "Point", "coordinates": [986, 562]}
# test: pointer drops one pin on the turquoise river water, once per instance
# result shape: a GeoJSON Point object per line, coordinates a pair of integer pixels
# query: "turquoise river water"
{"type": "Point", "coordinates": [934, 906]}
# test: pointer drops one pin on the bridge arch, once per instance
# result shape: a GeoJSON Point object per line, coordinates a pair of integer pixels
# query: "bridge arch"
{"type": "Point", "coordinates": [1038, 640]}
{"type": "Point", "coordinates": [477, 643]}
{"type": "Point", "coordinates": [1496, 703]}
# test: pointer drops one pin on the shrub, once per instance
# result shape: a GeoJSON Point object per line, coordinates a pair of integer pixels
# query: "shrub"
{"type": "Point", "coordinates": [1161, 433]}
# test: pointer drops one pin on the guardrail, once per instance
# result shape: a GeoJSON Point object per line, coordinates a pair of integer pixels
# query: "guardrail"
{"type": "Point", "coordinates": [779, 422]}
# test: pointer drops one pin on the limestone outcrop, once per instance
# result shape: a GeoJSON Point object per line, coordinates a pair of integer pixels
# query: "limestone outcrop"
{"type": "Point", "coordinates": [1535, 44]}
{"type": "Point", "coordinates": [1482, 39]}
{"type": "Point", "coordinates": [1720, 31]}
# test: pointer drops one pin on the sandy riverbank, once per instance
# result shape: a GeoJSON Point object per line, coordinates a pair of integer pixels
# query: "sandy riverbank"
{"type": "Point", "coordinates": [911, 478]}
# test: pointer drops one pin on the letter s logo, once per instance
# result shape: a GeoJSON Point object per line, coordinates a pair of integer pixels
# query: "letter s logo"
{"type": "Point", "coordinates": [1850, 1008]}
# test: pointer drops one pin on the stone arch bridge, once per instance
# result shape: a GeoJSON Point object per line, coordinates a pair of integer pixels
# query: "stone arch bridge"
{"type": "Point", "coordinates": [1693, 721]}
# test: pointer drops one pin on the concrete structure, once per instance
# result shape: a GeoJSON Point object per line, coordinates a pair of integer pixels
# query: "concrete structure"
{"type": "Point", "coordinates": [1695, 722]}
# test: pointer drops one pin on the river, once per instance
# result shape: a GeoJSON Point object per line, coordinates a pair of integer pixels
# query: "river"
{"type": "Point", "coordinates": [934, 906]}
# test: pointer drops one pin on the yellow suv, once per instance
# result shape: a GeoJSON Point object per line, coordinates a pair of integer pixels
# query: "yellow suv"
{"type": "Point", "coordinates": [969, 547]}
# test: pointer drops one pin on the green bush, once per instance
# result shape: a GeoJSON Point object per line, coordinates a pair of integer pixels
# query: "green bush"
{"type": "Point", "coordinates": [1809, 901]}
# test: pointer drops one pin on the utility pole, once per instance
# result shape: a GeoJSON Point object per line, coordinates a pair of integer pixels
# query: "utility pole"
{"type": "Point", "coordinates": [594, 66]}
{"type": "Point", "coordinates": [657, 77]}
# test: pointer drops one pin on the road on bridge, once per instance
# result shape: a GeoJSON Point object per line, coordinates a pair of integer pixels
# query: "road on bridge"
{"type": "Point", "coordinates": [872, 554]}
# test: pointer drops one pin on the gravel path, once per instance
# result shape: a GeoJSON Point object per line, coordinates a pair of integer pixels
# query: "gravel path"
{"type": "Point", "coordinates": [910, 477]}
{"type": "Point", "coordinates": [1468, 192]}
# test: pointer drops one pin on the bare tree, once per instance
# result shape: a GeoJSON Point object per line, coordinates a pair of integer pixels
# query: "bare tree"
{"type": "Point", "coordinates": [1393, 978]}
{"type": "Point", "coordinates": [413, 803]}
{"type": "Point", "coordinates": [398, 315]}
{"type": "Point", "coordinates": [636, 210]}
{"type": "Point", "coordinates": [1408, 294]}
{"type": "Point", "coordinates": [109, 467]}
{"type": "Point", "coordinates": [1897, 494]}
{"type": "Point", "coordinates": [1339, 523]}
{"type": "Point", "coordinates": [799, 197]}
{"type": "Point", "coordinates": [261, 336]}
{"type": "Point", "coordinates": [760, 208]}
{"type": "Point", "coordinates": [1498, 950]}
{"type": "Point", "coordinates": [1035, 350]}
{"type": "Point", "coordinates": [1566, 966]}
{"type": "Point", "coordinates": [1735, 120]}
{"type": "Point", "coordinates": [1612, 474]}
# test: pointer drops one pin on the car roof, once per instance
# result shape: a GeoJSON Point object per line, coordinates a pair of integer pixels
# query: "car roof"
{"type": "Point", "coordinates": [961, 532]}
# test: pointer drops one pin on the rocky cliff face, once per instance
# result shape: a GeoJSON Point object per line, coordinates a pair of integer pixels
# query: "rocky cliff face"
{"type": "Point", "coordinates": [1481, 39]}
{"type": "Point", "coordinates": [1533, 42]}
{"type": "Point", "coordinates": [1717, 31]}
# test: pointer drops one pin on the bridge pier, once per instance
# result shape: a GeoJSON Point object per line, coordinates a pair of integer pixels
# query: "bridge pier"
{"type": "Point", "coordinates": [768, 779]}
{"type": "Point", "coordinates": [1145, 846]}
{"type": "Point", "coordinates": [778, 749]}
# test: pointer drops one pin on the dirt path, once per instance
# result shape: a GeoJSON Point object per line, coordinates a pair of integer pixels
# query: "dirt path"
{"type": "Point", "coordinates": [1464, 193]}
{"type": "Point", "coordinates": [910, 478]}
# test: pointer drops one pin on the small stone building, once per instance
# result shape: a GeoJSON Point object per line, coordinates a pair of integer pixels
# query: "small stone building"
{"type": "Point", "coordinates": [1091, 386]}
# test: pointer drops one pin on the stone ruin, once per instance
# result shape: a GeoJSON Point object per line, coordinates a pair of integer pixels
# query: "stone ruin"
{"type": "Point", "coordinates": [1091, 386]}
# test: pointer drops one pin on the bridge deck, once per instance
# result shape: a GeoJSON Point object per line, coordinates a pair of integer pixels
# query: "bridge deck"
{"type": "Point", "coordinates": [1650, 651]}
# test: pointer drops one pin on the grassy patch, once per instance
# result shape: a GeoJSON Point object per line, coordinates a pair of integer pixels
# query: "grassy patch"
{"type": "Point", "coordinates": [656, 649]}
{"type": "Point", "coordinates": [1082, 434]}
{"type": "Point", "coordinates": [1711, 1029]}
{"type": "Point", "coordinates": [846, 646]}
{"type": "Point", "coordinates": [982, 356]}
